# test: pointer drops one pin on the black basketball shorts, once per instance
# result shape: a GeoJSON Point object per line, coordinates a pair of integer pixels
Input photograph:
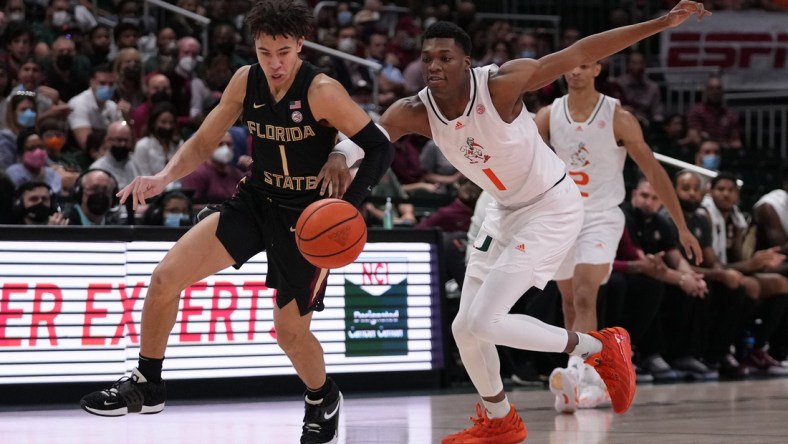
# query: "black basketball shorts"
{"type": "Point", "coordinates": [250, 223]}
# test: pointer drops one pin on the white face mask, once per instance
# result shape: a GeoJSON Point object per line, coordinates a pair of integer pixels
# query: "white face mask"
{"type": "Point", "coordinates": [347, 45]}
{"type": "Point", "coordinates": [16, 16]}
{"type": "Point", "coordinates": [187, 63]}
{"type": "Point", "coordinates": [223, 154]}
{"type": "Point", "coordinates": [60, 18]}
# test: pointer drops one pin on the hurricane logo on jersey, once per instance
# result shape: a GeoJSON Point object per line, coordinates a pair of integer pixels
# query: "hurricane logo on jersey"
{"type": "Point", "coordinates": [580, 157]}
{"type": "Point", "coordinates": [473, 151]}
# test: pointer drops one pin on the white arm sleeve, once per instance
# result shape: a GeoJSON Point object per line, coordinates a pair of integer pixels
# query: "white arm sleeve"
{"type": "Point", "coordinates": [352, 152]}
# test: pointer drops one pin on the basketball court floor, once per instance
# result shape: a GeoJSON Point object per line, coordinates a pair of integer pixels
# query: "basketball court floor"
{"type": "Point", "coordinates": [726, 412]}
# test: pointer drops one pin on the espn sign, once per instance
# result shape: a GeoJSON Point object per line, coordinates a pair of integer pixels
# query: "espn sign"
{"type": "Point", "coordinates": [749, 47]}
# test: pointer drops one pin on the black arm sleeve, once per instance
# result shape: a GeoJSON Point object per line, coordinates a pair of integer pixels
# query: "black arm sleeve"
{"type": "Point", "coordinates": [378, 154]}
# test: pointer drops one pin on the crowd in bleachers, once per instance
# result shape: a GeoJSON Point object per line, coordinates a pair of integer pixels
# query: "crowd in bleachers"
{"type": "Point", "coordinates": [89, 99]}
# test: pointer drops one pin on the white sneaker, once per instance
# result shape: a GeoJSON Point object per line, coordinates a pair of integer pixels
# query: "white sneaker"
{"type": "Point", "coordinates": [563, 384]}
{"type": "Point", "coordinates": [592, 397]}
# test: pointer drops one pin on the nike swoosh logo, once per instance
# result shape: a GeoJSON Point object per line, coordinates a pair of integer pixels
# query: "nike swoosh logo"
{"type": "Point", "coordinates": [331, 415]}
{"type": "Point", "coordinates": [292, 229]}
{"type": "Point", "coordinates": [255, 106]}
{"type": "Point", "coordinates": [110, 403]}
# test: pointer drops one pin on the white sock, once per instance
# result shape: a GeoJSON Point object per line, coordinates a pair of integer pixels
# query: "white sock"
{"type": "Point", "coordinates": [497, 409]}
{"type": "Point", "coordinates": [587, 345]}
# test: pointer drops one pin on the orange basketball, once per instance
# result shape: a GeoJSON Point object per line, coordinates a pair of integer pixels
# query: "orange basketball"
{"type": "Point", "coordinates": [331, 233]}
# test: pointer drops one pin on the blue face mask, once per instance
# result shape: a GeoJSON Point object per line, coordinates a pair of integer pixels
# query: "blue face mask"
{"type": "Point", "coordinates": [173, 219]}
{"type": "Point", "coordinates": [104, 93]}
{"type": "Point", "coordinates": [344, 18]}
{"type": "Point", "coordinates": [27, 118]}
{"type": "Point", "coordinates": [528, 54]}
{"type": "Point", "coordinates": [711, 162]}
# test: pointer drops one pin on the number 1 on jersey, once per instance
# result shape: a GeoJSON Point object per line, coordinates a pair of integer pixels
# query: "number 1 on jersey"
{"type": "Point", "coordinates": [282, 153]}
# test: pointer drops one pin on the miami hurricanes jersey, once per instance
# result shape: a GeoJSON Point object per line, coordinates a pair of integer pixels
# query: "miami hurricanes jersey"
{"type": "Point", "coordinates": [593, 158]}
{"type": "Point", "coordinates": [508, 160]}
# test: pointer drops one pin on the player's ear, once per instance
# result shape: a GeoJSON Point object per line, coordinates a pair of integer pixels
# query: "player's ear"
{"type": "Point", "coordinates": [299, 44]}
{"type": "Point", "coordinates": [597, 68]}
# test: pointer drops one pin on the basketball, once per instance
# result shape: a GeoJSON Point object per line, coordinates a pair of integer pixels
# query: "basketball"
{"type": "Point", "coordinates": [331, 233]}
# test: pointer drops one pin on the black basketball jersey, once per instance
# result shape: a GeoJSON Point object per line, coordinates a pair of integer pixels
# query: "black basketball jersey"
{"type": "Point", "coordinates": [289, 147]}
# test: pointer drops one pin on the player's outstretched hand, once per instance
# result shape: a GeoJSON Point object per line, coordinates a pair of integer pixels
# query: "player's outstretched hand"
{"type": "Point", "coordinates": [684, 10]}
{"type": "Point", "coordinates": [334, 178]}
{"type": "Point", "coordinates": [141, 188]}
{"type": "Point", "coordinates": [691, 247]}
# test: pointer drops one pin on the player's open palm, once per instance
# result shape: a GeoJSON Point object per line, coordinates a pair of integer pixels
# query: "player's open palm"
{"type": "Point", "coordinates": [141, 188]}
{"type": "Point", "coordinates": [684, 10]}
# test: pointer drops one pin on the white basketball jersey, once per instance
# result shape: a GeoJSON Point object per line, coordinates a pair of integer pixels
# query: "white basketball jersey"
{"type": "Point", "coordinates": [508, 160]}
{"type": "Point", "coordinates": [589, 149]}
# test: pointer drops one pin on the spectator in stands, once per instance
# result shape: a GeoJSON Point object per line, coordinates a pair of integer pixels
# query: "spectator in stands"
{"type": "Point", "coordinates": [130, 11]}
{"type": "Point", "coordinates": [35, 205]}
{"type": "Point", "coordinates": [17, 45]}
{"type": "Point", "coordinates": [711, 119]}
{"type": "Point", "coordinates": [455, 216]}
{"type": "Point", "coordinates": [407, 166]}
{"type": "Point", "coordinates": [406, 43]}
{"type": "Point", "coordinates": [349, 73]}
{"type": "Point", "coordinates": [653, 234]}
{"type": "Point", "coordinates": [15, 10]}
{"type": "Point", "coordinates": [161, 140]}
{"type": "Point", "coordinates": [390, 80]}
{"type": "Point", "coordinates": [65, 70]}
{"type": "Point", "coordinates": [722, 310]}
{"type": "Point", "coordinates": [98, 44]}
{"type": "Point", "coordinates": [48, 101]}
{"type": "Point", "coordinates": [6, 83]}
{"type": "Point", "coordinates": [671, 139]}
{"type": "Point", "coordinates": [58, 18]}
{"type": "Point", "coordinates": [20, 114]}
{"type": "Point", "coordinates": [188, 90]}
{"type": "Point", "coordinates": [94, 149]}
{"type": "Point", "coordinates": [7, 193]}
{"type": "Point", "coordinates": [117, 158]}
{"type": "Point", "coordinates": [437, 169]}
{"type": "Point", "coordinates": [53, 133]}
{"type": "Point", "coordinates": [217, 74]}
{"type": "Point", "coordinates": [126, 35]}
{"type": "Point", "coordinates": [128, 86]}
{"type": "Point", "coordinates": [94, 107]}
{"type": "Point", "coordinates": [32, 165]}
{"type": "Point", "coordinates": [216, 180]}
{"type": "Point", "coordinates": [708, 155]}
{"type": "Point", "coordinates": [222, 41]}
{"type": "Point", "coordinates": [184, 26]}
{"type": "Point", "coordinates": [166, 49]}
{"type": "Point", "coordinates": [158, 90]}
{"type": "Point", "coordinates": [403, 212]}
{"type": "Point", "coordinates": [729, 228]}
{"type": "Point", "coordinates": [641, 95]}
{"type": "Point", "coordinates": [170, 209]}
{"type": "Point", "coordinates": [499, 52]}
{"type": "Point", "coordinates": [95, 195]}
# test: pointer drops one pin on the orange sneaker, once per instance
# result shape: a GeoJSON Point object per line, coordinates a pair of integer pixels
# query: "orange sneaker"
{"type": "Point", "coordinates": [614, 365]}
{"type": "Point", "coordinates": [507, 430]}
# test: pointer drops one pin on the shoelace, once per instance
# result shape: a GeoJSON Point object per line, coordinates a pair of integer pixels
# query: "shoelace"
{"type": "Point", "coordinates": [481, 418]}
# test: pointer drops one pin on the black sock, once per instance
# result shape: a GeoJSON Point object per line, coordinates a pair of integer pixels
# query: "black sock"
{"type": "Point", "coordinates": [150, 368]}
{"type": "Point", "coordinates": [321, 393]}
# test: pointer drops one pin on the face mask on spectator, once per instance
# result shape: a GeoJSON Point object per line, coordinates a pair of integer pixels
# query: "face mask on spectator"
{"type": "Point", "coordinates": [54, 143]}
{"type": "Point", "coordinates": [223, 154]}
{"type": "Point", "coordinates": [344, 18]}
{"type": "Point", "coordinates": [347, 45]}
{"type": "Point", "coordinates": [688, 205]}
{"type": "Point", "coordinates": [35, 159]}
{"type": "Point", "coordinates": [160, 96]}
{"type": "Point", "coordinates": [711, 161]}
{"type": "Point", "coordinates": [164, 133]}
{"type": "Point", "coordinates": [99, 202]}
{"type": "Point", "coordinates": [61, 18]}
{"type": "Point", "coordinates": [64, 61]}
{"type": "Point", "coordinates": [133, 20]}
{"type": "Point", "coordinates": [132, 72]}
{"type": "Point", "coordinates": [16, 16]}
{"type": "Point", "coordinates": [187, 64]}
{"type": "Point", "coordinates": [528, 54]}
{"type": "Point", "coordinates": [174, 219]}
{"type": "Point", "coordinates": [27, 118]}
{"type": "Point", "coordinates": [104, 93]}
{"type": "Point", "coordinates": [38, 213]}
{"type": "Point", "coordinates": [119, 152]}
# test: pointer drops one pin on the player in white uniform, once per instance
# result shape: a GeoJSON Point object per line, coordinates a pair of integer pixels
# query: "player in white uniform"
{"type": "Point", "coordinates": [593, 134]}
{"type": "Point", "coordinates": [477, 119]}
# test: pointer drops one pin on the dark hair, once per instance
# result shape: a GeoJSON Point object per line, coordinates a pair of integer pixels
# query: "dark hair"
{"type": "Point", "coordinates": [32, 185]}
{"type": "Point", "coordinates": [122, 27]}
{"type": "Point", "coordinates": [105, 68]}
{"type": "Point", "coordinates": [156, 111]}
{"type": "Point", "coordinates": [21, 139]}
{"type": "Point", "coordinates": [95, 139]}
{"type": "Point", "coordinates": [725, 175]}
{"type": "Point", "coordinates": [16, 29]}
{"type": "Point", "coordinates": [279, 17]}
{"type": "Point", "coordinates": [683, 172]}
{"type": "Point", "coordinates": [448, 30]}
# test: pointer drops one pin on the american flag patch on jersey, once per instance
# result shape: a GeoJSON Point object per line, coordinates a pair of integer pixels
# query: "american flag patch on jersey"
{"type": "Point", "coordinates": [295, 104]}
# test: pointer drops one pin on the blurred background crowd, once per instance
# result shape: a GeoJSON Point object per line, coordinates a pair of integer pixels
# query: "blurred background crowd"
{"type": "Point", "coordinates": [94, 93]}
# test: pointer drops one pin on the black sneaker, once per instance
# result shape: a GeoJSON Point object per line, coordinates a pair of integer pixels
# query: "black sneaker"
{"type": "Point", "coordinates": [321, 421]}
{"type": "Point", "coordinates": [128, 395]}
